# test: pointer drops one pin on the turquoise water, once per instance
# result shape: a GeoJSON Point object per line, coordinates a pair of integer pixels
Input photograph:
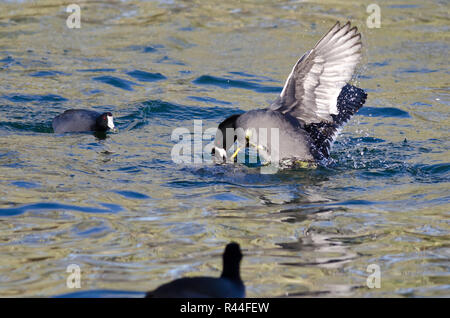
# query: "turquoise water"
{"type": "Point", "coordinates": [132, 219]}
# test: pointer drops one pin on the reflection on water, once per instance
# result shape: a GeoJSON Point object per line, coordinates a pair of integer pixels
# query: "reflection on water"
{"type": "Point", "coordinates": [117, 206]}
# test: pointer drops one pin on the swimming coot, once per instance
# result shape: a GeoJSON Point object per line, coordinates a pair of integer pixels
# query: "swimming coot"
{"type": "Point", "coordinates": [82, 120]}
{"type": "Point", "coordinates": [228, 285]}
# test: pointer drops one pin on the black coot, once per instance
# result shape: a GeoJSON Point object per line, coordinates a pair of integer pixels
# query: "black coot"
{"type": "Point", "coordinates": [228, 285]}
{"type": "Point", "coordinates": [81, 120]}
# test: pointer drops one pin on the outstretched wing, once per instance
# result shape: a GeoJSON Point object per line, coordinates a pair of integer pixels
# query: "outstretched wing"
{"type": "Point", "coordinates": [311, 91]}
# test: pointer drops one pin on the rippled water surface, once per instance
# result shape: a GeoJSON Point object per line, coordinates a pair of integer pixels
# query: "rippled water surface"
{"type": "Point", "coordinates": [131, 218]}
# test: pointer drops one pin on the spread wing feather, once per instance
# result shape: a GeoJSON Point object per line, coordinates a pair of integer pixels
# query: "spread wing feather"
{"type": "Point", "coordinates": [311, 91]}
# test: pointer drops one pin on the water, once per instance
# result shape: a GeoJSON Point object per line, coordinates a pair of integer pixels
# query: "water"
{"type": "Point", "coordinates": [132, 219]}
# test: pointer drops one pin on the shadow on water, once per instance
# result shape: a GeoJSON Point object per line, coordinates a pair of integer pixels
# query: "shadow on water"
{"type": "Point", "coordinates": [108, 208]}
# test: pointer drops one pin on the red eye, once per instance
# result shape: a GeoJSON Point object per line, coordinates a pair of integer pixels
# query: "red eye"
{"type": "Point", "coordinates": [104, 117]}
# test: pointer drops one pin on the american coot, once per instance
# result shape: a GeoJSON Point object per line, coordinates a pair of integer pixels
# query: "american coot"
{"type": "Point", "coordinates": [229, 285]}
{"type": "Point", "coordinates": [315, 101]}
{"type": "Point", "coordinates": [81, 120]}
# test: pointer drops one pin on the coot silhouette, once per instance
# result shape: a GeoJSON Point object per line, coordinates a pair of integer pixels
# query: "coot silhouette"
{"type": "Point", "coordinates": [228, 285]}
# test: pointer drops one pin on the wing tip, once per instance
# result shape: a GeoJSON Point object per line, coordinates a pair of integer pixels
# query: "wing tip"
{"type": "Point", "coordinates": [329, 36]}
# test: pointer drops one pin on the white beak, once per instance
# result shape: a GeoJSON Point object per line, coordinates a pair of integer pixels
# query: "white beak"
{"type": "Point", "coordinates": [221, 153]}
{"type": "Point", "coordinates": [110, 123]}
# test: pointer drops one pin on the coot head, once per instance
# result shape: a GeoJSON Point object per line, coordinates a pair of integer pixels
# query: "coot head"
{"type": "Point", "coordinates": [232, 257]}
{"type": "Point", "coordinates": [105, 122]}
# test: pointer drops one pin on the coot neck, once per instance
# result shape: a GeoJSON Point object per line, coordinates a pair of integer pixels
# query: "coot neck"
{"type": "Point", "coordinates": [231, 271]}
